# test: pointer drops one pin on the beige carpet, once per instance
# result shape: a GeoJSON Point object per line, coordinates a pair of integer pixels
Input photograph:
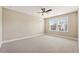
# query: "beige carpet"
{"type": "Point", "coordinates": [41, 44]}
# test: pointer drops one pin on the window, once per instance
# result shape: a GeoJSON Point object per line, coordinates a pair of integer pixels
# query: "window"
{"type": "Point", "coordinates": [59, 24]}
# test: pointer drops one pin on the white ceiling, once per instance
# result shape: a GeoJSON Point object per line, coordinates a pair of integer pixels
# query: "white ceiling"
{"type": "Point", "coordinates": [33, 10]}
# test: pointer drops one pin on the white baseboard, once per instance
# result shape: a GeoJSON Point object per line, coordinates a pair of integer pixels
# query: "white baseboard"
{"type": "Point", "coordinates": [66, 37]}
{"type": "Point", "coordinates": [15, 39]}
{"type": "Point", "coordinates": [35, 35]}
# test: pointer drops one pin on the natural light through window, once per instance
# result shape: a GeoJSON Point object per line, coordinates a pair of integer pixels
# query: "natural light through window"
{"type": "Point", "coordinates": [59, 24]}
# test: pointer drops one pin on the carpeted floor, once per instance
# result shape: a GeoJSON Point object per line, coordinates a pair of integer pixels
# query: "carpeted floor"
{"type": "Point", "coordinates": [41, 44]}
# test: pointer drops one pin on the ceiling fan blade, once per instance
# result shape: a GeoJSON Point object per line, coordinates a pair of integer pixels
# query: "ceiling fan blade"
{"type": "Point", "coordinates": [43, 9]}
{"type": "Point", "coordinates": [49, 10]}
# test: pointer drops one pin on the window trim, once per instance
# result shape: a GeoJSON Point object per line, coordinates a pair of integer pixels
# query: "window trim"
{"type": "Point", "coordinates": [56, 25]}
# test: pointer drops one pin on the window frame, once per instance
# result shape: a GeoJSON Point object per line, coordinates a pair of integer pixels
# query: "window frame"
{"type": "Point", "coordinates": [57, 24]}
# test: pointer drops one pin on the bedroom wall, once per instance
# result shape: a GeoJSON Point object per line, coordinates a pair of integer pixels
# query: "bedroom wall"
{"type": "Point", "coordinates": [16, 25]}
{"type": "Point", "coordinates": [72, 26]}
{"type": "Point", "coordinates": [0, 25]}
{"type": "Point", "coordinates": [78, 29]}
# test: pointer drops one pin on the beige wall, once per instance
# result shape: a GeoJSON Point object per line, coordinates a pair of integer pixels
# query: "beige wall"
{"type": "Point", "coordinates": [72, 26]}
{"type": "Point", "coordinates": [16, 25]}
{"type": "Point", "coordinates": [78, 29]}
{"type": "Point", "coordinates": [0, 25]}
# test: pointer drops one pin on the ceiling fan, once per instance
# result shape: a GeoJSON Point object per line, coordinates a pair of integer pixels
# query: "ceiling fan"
{"type": "Point", "coordinates": [45, 11]}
